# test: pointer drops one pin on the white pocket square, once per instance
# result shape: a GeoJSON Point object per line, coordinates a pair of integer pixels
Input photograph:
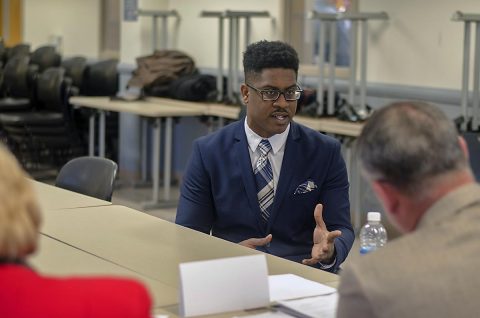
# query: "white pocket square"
{"type": "Point", "coordinates": [305, 187]}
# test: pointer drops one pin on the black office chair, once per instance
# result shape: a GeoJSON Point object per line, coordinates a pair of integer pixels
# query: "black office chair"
{"type": "Point", "coordinates": [47, 135]}
{"type": "Point", "coordinates": [75, 68]}
{"type": "Point", "coordinates": [92, 176]}
{"type": "Point", "coordinates": [45, 57]}
{"type": "Point", "coordinates": [3, 52]}
{"type": "Point", "coordinates": [101, 79]}
{"type": "Point", "coordinates": [22, 49]}
{"type": "Point", "coordinates": [18, 84]}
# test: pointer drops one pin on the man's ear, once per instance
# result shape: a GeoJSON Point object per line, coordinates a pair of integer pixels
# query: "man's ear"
{"type": "Point", "coordinates": [245, 93]}
{"type": "Point", "coordinates": [463, 145]}
{"type": "Point", "coordinates": [388, 195]}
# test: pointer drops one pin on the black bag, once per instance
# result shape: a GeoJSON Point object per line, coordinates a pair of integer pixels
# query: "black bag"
{"type": "Point", "coordinates": [197, 87]}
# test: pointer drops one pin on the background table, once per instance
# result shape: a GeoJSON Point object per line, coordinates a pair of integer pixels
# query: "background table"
{"type": "Point", "coordinates": [145, 109]}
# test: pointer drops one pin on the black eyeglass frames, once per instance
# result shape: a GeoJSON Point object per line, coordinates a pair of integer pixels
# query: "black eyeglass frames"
{"type": "Point", "coordinates": [290, 94]}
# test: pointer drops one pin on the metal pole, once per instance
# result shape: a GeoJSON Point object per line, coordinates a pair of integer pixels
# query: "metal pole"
{"type": "Point", "coordinates": [236, 48]}
{"type": "Point", "coordinates": [91, 134]}
{"type": "Point", "coordinates": [156, 160]}
{"type": "Point", "coordinates": [333, 62]}
{"type": "Point", "coordinates": [154, 33]}
{"type": "Point", "coordinates": [167, 164]}
{"type": "Point", "coordinates": [164, 33]}
{"type": "Point", "coordinates": [220, 60]}
{"type": "Point", "coordinates": [465, 74]}
{"type": "Point", "coordinates": [144, 125]}
{"type": "Point", "coordinates": [321, 66]}
{"type": "Point", "coordinates": [101, 134]}
{"type": "Point", "coordinates": [353, 62]}
{"type": "Point", "coordinates": [476, 80]}
{"type": "Point", "coordinates": [363, 65]}
{"type": "Point", "coordinates": [247, 30]}
{"type": "Point", "coordinates": [230, 59]}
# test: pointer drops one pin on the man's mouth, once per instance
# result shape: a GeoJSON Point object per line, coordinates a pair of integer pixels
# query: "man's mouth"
{"type": "Point", "coordinates": [280, 116]}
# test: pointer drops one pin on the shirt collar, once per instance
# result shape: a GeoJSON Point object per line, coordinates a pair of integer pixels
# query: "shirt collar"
{"type": "Point", "coordinates": [276, 141]}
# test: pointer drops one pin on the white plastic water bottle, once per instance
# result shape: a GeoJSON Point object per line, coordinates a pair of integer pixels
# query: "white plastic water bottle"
{"type": "Point", "coordinates": [372, 235]}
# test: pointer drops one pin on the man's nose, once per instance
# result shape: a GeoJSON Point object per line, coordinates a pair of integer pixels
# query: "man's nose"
{"type": "Point", "coordinates": [281, 100]}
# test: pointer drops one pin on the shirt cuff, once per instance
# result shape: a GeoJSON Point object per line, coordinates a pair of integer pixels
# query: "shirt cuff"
{"type": "Point", "coordinates": [327, 266]}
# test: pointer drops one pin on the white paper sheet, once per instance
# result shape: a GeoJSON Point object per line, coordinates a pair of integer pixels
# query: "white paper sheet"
{"type": "Point", "coordinates": [314, 307]}
{"type": "Point", "coordinates": [223, 285]}
{"type": "Point", "coordinates": [290, 286]}
{"type": "Point", "coordinates": [270, 314]}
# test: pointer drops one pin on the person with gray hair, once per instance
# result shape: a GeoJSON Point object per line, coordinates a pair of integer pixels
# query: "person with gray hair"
{"type": "Point", "coordinates": [417, 165]}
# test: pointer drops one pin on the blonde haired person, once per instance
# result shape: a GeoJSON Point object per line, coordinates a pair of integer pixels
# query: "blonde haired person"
{"type": "Point", "coordinates": [26, 293]}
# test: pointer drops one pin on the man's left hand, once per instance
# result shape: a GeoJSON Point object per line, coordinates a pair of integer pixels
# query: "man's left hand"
{"type": "Point", "coordinates": [323, 248]}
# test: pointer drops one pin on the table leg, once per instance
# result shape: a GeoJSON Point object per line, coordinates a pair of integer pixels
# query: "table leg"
{"type": "Point", "coordinates": [144, 124]}
{"type": "Point", "coordinates": [101, 135]}
{"type": "Point", "coordinates": [167, 165]}
{"type": "Point", "coordinates": [155, 166]}
{"type": "Point", "coordinates": [221, 122]}
{"type": "Point", "coordinates": [91, 134]}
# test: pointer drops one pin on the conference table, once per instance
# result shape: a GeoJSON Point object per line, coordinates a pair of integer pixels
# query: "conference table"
{"type": "Point", "coordinates": [146, 247]}
{"type": "Point", "coordinates": [57, 258]}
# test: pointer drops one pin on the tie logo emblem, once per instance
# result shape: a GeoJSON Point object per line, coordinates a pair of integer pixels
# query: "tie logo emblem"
{"type": "Point", "coordinates": [264, 178]}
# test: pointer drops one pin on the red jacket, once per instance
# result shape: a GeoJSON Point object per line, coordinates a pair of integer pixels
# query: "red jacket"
{"type": "Point", "coordinates": [26, 294]}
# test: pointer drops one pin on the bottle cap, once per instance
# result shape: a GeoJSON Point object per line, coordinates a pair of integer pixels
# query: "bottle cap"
{"type": "Point", "coordinates": [374, 216]}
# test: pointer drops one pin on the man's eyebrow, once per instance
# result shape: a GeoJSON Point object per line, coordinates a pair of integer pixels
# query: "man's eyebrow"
{"type": "Point", "coordinates": [269, 87]}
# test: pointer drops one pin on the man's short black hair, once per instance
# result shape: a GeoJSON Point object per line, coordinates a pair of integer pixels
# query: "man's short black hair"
{"type": "Point", "coordinates": [269, 54]}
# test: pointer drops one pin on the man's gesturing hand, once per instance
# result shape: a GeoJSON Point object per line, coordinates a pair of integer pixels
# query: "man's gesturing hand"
{"type": "Point", "coordinates": [323, 248]}
{"type": "Point", "coordinates": [254, 242]}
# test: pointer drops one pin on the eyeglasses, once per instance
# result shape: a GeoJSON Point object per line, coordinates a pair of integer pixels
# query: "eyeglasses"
{"type": "Point", "coordinates": [290, 94]}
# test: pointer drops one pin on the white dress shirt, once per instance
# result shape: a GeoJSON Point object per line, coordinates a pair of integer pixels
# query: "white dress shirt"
{"type": "Point", "coordinates": [275, 156]}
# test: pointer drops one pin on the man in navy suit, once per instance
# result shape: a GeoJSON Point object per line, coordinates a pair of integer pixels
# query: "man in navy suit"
{"type": "Point", "coordinates": [267, 182]}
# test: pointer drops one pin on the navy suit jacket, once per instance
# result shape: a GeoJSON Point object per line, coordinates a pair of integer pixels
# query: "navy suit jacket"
{"type": "Point", "coordinates": [219, 196]}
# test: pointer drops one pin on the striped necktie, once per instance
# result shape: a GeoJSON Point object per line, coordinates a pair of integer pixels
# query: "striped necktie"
{"type": "Point", "coordinates": [264, 177]}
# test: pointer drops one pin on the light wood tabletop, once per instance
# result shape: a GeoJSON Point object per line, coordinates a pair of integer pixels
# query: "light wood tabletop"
{"type": "Point", "coordinates": [55, 258]}
{"type": "Point", "coordinates": [153, 247]}
{"type": "Point", "coordinates": [51, 197]}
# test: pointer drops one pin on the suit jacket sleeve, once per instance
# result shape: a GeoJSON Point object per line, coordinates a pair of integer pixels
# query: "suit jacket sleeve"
{"type": "Point", "coordinates": [195, 207]}
{"type": "Point", "coordinates": [335, 200]}
{"type": "Point", "coordinates": [352, 300]}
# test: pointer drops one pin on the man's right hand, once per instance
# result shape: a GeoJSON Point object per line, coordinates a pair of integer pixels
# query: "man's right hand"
{"type": "Point", "coordinates": [255, 242]}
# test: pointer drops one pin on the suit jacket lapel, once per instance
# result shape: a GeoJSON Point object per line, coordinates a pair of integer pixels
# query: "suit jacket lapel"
{"type": "Point", "coordinates": [290, 165]}
{"type": "Point", "coordinates": [242, 156]}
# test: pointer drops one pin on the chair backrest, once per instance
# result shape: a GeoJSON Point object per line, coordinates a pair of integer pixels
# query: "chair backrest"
{"type": "Point", "coordinates": [45, 57]}
{"type": "Point", "coordinates": [22, 49]}
{"type": "Point", "coordinates": [50, 90]}
{"type": "Point", "coordinates": [101, 79]}
{"type": "Point", "coordinates": [92, 176]}
{"type": "Point", "coordinates": [15, 77]}
{"type": "Point", "coordinates": [75, 69]}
